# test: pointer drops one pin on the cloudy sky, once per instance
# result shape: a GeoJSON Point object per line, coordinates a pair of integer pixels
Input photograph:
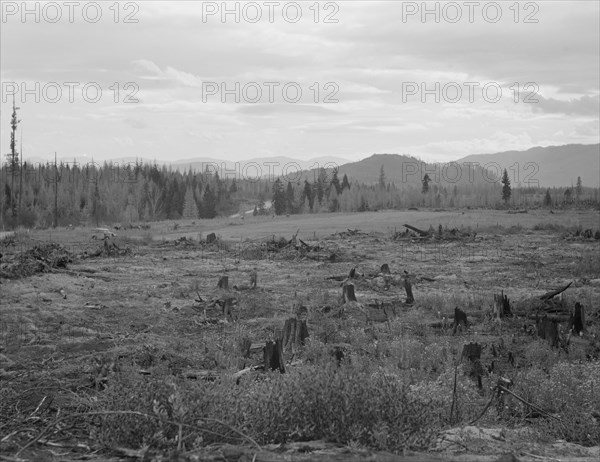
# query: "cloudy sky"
{"type": "Point", "coordinates": [178, 80]}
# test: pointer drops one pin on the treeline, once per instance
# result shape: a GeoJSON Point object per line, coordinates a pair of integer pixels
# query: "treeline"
{"type": "Point", "coordinates": [68, 193]}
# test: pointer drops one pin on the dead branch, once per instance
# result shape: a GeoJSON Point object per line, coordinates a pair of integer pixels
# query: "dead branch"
{"type": "Point", "coordinates": [420, 232]}
{"type": "Point", "coordinates": [554, 293]}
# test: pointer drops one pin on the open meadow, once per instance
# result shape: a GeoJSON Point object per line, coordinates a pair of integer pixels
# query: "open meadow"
{"type": "Point", "coordinates": [158, 343]}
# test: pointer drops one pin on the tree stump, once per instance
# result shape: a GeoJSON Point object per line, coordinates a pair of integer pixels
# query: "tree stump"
{"type": "Point", "coordinates": [547, 329]}
{"type": "Point", "coordinates": [228, 309]}
{"type": "Point", "coordinates": [578, 320]}
{"type": "Point", "coordinates": [253, 279]}
{"type": "Point", "coordinates": [223, 283]}
{"type": "Point", "coordinates": [408, 287]}
{"type": "Point", "coordinates": [295, 333]}
{"type": "Point", "coordinates": [501, 307]}
{"type": "Point", "coordinates": [460, 318]}
{"type": "Point", "coordinates": [273, 356]}
{"type": "Point", "coordinates": [348, 293]}
{"type": "Point", "coordinates": [472, 352]}
{"type": "Point", "coordinates": [212, 237]}
{"type": "Point", "coordinates": [385, 269]}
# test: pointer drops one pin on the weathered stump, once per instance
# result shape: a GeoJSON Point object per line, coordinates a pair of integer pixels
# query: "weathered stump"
{"type": "Point", "coordinates": [460, 318]}
{"type": "Point", "coordinates": [578, 320]}
{"type": "Point", "coordinates": [273, 356]}
{"type": "Point", "coordinates": [385, 269]}
{"type": "Point", "coordinates": [348, 293]}
{"type": "Point", "coordinates": [210, 238]}
{"type": "Point", "coordinates": [501, 307]}
{"type": "Point", "coordinates": [228, 309]}
{"type": "Point", "coordinates": [223, 283]}
{"type": "Point", "coordinates": [295, 333]}
{"type": "Point", "coordinates": [472, 352]}
{"type": "Point", "coordinates": [547, 329]}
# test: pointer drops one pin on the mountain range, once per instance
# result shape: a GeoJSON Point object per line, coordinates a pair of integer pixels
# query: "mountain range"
{"type": "Point", "coordinates": [539, 166]}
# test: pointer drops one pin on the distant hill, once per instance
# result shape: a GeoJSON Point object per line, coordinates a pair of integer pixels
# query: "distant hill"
{"type": "Point", "coordinates": [550, 166]}
{"type": "Point", "coordinates": [556, 165]}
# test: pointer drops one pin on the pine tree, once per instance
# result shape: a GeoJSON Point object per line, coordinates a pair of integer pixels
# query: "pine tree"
{"type": "Point", "coordinates": [335, 181]}
{"type": "Point", "coordinates": [578, 188]}
{"type": "Point", "coordinates": [548, 198]}
{"type": "Point", "coordinates": [308, 193]}
{"type": "Point", "coordinates": [290, 206]}
{"type": "Point", "coordinates": [279, 204]}
{"type": "Point", "coordinates": [345, 182]}
{"type": "Point", "coordinates": [190, 209]}
{"type": "Point", "coordinates": [426, 181]}
{"type": "Point", "coordinates": [506, 191]}
{"type": "Point", "coordinates": [381, 178]}
{"type": "Point", "coordinates": [209, 203]}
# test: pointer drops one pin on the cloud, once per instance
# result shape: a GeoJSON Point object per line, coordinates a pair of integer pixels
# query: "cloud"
{"type": "Point", "coordinates": [585, 105]}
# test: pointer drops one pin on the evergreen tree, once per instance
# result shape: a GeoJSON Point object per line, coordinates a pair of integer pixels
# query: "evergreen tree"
{"type": "Point", "coordinates": [290, 206]}
{"type": "Point", "coordinates": [190, 209]}
{"type": "Point", "coordinates": [426, 181]}
{"type": "Point", "coordinates": [381, 178]}
{"type": "Point", "coordinates": [578, 188]}
{"type": "Point", "coordinates": [308, 193]}
{"type": "Point", "coordinates": [548, 198]}
{"type": "Point", "coordinates": [335, 181]}
{"type": "Point", "coordinates": [345, 182]}
{"type": "Point", "coordinates": [506, 191]}
{"type": "Point", "coordinates": [209, 203]}
{"type": "Point", "coordinates": [279, 204]}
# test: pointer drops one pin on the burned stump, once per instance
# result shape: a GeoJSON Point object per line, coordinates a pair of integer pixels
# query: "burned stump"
{"type": "Point", "coordinates": [460, 318]}
{"type": "Point", "coordinates": [578, 320]}
{"type": "Point", "coordinates": [273, 356]}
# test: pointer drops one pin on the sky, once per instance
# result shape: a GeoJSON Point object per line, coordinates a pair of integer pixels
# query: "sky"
{"type": "Point", "coordinates": [239, 80]}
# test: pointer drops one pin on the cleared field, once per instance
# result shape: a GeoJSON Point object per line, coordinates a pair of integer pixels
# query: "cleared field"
{"type": "Point", "coordinates": [139, 333]}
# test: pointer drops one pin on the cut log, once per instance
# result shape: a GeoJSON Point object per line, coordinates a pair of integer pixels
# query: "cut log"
{"type": "Point", "coordinates": [554, 293]}
{"type": "Point", "coordinates": [223, 283]}
{"type": "Point", "coordinates": [273, 356]}
{"type": "Point", "coordinates": [295, 333]}
{"type": "Point", "coordinates": [548, 330]}
{"type": "Point", "coordinates": [408, 287]}
{"type": "Point", "coordinates": [578, 320]}
{"type": "Point", "coordinates": [348, 292]}
{"type": "Point", "coordinates": [420, 232]}
{"type": "Point", "coordinates": [460, 318]}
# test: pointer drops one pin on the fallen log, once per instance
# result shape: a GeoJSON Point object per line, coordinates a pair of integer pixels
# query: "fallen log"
{"type": "Point", "coordinates": [554, 293]}
{"type": "Point", "coordinates": [420, 232]}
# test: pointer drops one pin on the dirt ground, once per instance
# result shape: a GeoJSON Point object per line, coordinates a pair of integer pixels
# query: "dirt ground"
{"type": "Point", "coordinates": [59, 325]}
